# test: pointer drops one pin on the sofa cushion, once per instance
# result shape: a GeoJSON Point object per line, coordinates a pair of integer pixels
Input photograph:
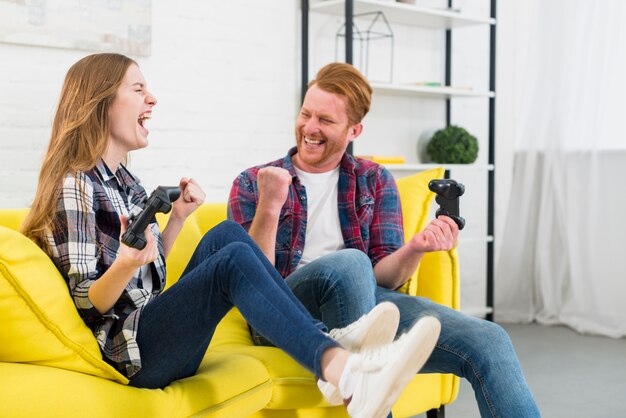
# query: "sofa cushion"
{"type": "Point", "coordinates": [225, 386]}
{"type": "Point", "coordinates": [416, 199]}
{"type": "Point", "coordinates": [293, 386]}
{"type": "Point", "coordinates": [40, 324]}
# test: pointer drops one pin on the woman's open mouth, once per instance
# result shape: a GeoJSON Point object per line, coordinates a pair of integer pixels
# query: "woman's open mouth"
{"type": "Point", "coordinates": [142, 121]}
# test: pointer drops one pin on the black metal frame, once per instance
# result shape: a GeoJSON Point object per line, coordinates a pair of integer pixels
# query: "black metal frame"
{"type": "Point", "coordinates": [349, 17]}
{"type": "Point", "coordinates": [436, 413]}
{"type": "Point", "coordinates": [491, 187]}
{"type": "Point", "coordinates": [491, 157]}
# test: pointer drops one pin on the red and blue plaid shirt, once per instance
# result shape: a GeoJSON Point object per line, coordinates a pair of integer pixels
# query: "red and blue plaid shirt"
{"type": "Point", "coordinates": [368, 204]}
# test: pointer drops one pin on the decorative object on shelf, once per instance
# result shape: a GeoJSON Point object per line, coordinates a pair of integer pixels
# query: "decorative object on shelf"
{"type": "Point", "coordinates": [453, 145]}
{"type": "Point", "coordinates": [377, 28]}
{"type": "Point", "coordinates": [427, 83]}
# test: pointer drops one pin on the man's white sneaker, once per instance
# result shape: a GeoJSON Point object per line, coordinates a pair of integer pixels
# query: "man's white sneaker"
{"type": "Point", "coordinates": [375, 329]}
{"type": "Point", "coordinates": [378, 376]}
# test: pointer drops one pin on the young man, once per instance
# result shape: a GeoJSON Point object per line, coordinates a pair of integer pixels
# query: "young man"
{"type": "Point", "coordinates": [332, 224]}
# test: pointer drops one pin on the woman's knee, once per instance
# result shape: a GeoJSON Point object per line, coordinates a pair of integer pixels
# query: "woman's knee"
{"type": "Point", "coordinates": [238, 251]}
{"type": "Point", "coordinates": [229, 228]}
{"type": "Point", "coordinates": [223, 233]}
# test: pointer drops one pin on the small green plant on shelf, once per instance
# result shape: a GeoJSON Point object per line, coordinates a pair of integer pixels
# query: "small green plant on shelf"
{"type": "Point", "coordinates": [453, 145]}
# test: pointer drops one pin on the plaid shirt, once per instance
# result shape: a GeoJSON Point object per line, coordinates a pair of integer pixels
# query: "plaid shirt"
{"type": "Point", "coordinates": [85, 244]}
{"type": "Point", "coordinates": [368, 204]}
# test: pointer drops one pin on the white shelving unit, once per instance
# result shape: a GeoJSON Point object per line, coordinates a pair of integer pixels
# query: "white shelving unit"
{"type": "Point", "coordinates": [450, 167]}
{"type": "Point", "coordinates": [428, 92]}
{"type": "Point", "coordinates": [444, 20]}
{"type": "Point", "coordinates": [406, 14]}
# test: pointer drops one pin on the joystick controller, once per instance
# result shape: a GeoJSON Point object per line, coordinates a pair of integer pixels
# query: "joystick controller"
{"type": "Point", "coordinates": [159, 201]}
{"type": "Point", "coordinates": [448, 192]}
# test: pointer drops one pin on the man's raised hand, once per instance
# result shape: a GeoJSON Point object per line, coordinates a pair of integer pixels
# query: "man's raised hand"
{"type": "Point", "coordinates": [273, 184]}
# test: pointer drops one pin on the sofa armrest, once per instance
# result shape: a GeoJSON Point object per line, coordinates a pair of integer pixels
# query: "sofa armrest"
{"type": "Point", "coordinates": [13, 218]}
{"type": "Point", "coordinates": [437, 278]}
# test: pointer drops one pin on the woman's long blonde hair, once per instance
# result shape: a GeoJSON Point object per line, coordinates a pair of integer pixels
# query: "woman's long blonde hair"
{"type": "Point", "coordinates": [79, 134]}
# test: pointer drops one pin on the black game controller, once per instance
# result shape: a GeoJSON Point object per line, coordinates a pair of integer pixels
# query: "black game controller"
{"type": "Point", "coordinates": [159, 201]}
{"type": "Point", "coordinates": [448, 192]}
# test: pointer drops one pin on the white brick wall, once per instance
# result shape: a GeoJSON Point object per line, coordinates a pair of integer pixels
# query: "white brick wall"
{"type": "Point", "coordinates": [225, 73]}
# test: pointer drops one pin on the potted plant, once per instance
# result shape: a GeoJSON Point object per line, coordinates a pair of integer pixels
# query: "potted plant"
{"type": "Point", "coordinates": [453, 145]}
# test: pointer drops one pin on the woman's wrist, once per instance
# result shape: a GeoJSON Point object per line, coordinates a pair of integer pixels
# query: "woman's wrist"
{"type": "Point", "coordinates": [176, 218]}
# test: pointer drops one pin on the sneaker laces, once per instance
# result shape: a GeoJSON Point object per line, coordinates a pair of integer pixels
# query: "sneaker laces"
{"type": "Point", "coordinates": [373, 360]}
{"type": "Point", "coordinates": [376, 358]}
{"type": "Point", "coordinates": [337, 333]}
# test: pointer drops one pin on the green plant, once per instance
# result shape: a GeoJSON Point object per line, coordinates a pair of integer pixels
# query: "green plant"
{"type": "Point", "coordinates": [453, 145]}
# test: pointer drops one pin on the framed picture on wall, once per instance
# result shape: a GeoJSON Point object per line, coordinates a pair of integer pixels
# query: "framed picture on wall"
{"type": "Point", "coordinates": [94, 25]}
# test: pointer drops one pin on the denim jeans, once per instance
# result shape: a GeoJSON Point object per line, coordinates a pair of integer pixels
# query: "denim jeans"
{"type": "Point", "coordinates": [339, 288]}
{"type": "Point", "coordinates": [227, 269]}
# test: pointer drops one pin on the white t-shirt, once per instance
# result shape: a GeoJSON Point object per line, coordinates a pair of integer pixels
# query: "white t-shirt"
{"type": "Point", "coordinates": [323, 230]}
{"type": "Point", "coordinates": [146, 276]}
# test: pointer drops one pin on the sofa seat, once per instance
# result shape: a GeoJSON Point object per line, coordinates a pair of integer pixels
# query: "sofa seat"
{"type": "Point", "coordinates": [226, 386]}
{"type": "Point", "coordinates": [50, 364]}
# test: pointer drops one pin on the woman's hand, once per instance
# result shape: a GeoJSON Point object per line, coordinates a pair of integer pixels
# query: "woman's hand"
{"type": "Point", "coordinates": [191, 196]}
{"type": "Point", "coordinates": [106, 291]}
{"type": "Point", "coordinates": [132, 257]}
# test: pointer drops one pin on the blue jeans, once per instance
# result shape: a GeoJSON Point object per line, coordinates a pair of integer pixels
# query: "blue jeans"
{"type": "Point", "coordinates": [339, 288]}
{"type": "Point", "coordinates": [227, 269]}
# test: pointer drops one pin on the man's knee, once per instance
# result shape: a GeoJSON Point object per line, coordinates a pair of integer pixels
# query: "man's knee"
{"type": "Point", "coordinates": [350, 259]}
{"type": "Point", "coordinates": [494, 345]}
{"type": "Point", "coordinates": [496, 333]}
{"type": "Point", "coordinates": [351, 265]}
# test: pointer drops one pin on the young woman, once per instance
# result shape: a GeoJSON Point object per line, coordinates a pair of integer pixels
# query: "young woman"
{"type": "Point", "coordinates": [84, 198]}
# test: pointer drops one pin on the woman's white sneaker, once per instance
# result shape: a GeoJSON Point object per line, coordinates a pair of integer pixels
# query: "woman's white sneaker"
{"type": "Point", "coordinates": [374, 379]}
{"type": "Point", "coordinates": [376, 328]}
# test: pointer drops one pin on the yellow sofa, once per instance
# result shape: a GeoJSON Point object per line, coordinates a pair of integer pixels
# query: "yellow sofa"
{"type": "Point", "coordinates": [50, 364]}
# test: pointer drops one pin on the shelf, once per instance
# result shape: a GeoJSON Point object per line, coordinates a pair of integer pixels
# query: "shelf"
{"type": "Point", "coordinates": [407, 14]}
{"type": "Point", "coordinates": [429, 92]}
{"type": "Point", "coordinates": [437, 19]}
{"type": "Point", "coordinates": [422, 167]}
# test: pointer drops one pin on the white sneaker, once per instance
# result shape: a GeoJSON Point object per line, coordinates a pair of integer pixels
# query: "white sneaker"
{"type": "Point", "coordinates": [381, 374]}
{"type": "Point", "coordinates": [375, 329]}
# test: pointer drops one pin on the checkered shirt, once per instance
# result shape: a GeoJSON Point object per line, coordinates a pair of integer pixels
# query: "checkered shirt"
{"type": "Point", "coordinates": [85, 244]}
{"type": "Point", "coordinates": [368, 202]}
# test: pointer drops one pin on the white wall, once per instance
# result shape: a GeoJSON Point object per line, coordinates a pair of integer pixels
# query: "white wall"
{"type": "Point", "coordinates": [225, 73]}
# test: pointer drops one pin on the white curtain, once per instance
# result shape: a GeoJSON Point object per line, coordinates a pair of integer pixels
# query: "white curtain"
{"type": "Point", "coordinates": [563, 258]}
